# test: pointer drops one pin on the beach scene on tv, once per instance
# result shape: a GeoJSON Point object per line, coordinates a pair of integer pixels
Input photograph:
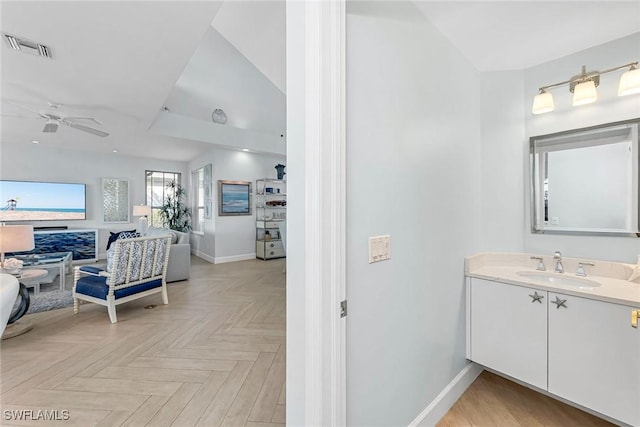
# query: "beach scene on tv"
{"type": "Point", "coordinates": [42, 201]}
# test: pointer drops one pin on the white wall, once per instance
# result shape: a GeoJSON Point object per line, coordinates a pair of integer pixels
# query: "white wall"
{"type": "Point", "coordinates": [608, 108]}
{"type": "Point", "coordinates": [414, 172]}
{"type": "Point", "coordinates": [31, 162]}
{"type": "Point", "coordinates": [231, 238]}
{"type": "Point", "coordinates": [503, 179]}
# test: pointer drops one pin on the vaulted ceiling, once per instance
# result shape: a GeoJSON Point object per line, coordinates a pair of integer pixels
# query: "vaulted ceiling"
{"type": "Point", "coordinates": [124, 62]}
{"type": "Point", "coordinates": [112, 61]}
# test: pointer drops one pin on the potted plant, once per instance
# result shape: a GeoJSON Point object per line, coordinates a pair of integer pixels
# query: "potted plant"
{"type": "Point", "coordinates": [174, 213]}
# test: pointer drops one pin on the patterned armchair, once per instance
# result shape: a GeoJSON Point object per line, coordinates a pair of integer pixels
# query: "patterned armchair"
{"type": "Point", "coordinates": [136, 268]}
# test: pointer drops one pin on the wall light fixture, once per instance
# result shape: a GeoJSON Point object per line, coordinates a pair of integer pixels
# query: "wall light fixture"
{"type": "Point", "coordinates": [583, 87]}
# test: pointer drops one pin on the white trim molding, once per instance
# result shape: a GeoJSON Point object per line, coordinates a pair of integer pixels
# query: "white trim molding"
{"type": "Point", "coordinates": [324, 267]}
{"type": "Point", "coordinates": [203, 255]}
{"type": "Point", "coordinates": [233, 258]}
{"type": "Point", "coordinates": [447, 397]}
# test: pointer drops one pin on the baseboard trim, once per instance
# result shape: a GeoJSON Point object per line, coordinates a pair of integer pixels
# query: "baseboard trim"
{"type": "Point", "coordinates": [233, 258]}
{"type": "Point", "coordinates": [204, 256]}
{"type": "Point", "coordinates": [447, 397]}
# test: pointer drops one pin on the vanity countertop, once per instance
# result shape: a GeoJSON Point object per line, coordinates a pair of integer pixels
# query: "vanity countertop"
{"type": "Point", "coordinates": [611, 276]}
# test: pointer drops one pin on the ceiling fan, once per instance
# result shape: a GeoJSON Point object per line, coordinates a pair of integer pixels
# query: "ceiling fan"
{"type": "Point", "coordinates": [54, 120]}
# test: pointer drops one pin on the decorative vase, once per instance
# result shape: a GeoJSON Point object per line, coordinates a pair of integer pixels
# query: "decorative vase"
{"type": "Point", "coordinates": [280, 170]}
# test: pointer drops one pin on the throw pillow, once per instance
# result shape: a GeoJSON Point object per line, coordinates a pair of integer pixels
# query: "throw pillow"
{"type": "Point", "coordinates": [115, 236]}
{"type": "Point", "coordinates": [120, 235]}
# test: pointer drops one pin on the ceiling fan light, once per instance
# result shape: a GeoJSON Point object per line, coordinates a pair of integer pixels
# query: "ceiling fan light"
{"type": "Point", "coordinates": [630, 82]}
{"type": "Point", "coordinates": [585, 93]}
{"type": "Point", "coordinates": [219, 116]}
{"type": "Point", "coordinates": [543, 103]}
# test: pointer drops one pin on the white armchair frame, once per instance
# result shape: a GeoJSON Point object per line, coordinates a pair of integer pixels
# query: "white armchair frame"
{"type": "Point", "coordinates": [130, 268]}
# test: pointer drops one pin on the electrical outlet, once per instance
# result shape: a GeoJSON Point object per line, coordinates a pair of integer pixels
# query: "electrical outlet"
{"type": "Point", "coordinates": [379, 248]}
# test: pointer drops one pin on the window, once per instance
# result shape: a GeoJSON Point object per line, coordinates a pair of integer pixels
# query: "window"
{"type": "Point", "coordinates": [201, 189]}
{"type": "Point", "coordinates": [156, 192]}
{"type": "Point", "coordinates": [197, 209]}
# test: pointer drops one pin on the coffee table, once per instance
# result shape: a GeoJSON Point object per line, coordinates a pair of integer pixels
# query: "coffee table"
{"type": "Point", "coordinates": [61, 260]}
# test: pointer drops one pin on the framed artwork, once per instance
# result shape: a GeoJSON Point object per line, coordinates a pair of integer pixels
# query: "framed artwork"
{"type": "Point", "coordinates": [234, 198]}
{"type": "Point", "coordinates": [115, 200]}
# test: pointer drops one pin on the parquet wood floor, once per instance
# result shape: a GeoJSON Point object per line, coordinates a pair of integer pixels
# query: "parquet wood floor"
{"type": "Point", "coordinates": [493, 401]}
{"type": "Point", "coordinates": [215, 356]}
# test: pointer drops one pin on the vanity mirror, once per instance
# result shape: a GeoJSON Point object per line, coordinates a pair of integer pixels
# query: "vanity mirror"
{"type": "Point", "coordinates": [585, 181]}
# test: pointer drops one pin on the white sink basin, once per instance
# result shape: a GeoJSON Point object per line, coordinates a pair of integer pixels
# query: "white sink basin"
{"type": "Point", "coordinates": [558, 279]}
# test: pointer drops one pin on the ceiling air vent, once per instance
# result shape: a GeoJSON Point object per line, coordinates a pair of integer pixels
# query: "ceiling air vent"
{"type": "Point", "coordinates": [27, 46]}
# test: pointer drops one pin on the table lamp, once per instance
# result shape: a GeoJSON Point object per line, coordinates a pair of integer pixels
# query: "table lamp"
{"type": "Point", "coordinates": [15, 238]}
{"type": "Point", "coordinates": [143, 211]}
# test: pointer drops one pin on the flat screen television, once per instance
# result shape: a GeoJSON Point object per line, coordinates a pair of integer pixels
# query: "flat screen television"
{"type": "Point", "coordinates": [42, 201]}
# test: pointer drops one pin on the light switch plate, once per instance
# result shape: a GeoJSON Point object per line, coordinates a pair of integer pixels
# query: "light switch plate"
{"type": "Point", "coordinates": [379, 248]}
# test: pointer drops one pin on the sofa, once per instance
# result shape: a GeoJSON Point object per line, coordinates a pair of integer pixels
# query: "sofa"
{"type": "Point", "coordinates": [179, 265]}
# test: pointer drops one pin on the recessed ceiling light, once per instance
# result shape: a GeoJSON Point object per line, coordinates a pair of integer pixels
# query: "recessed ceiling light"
{"type": "Point", "coordinates": [35, 142]}
{"type": "Point", "coordinates": [115, 151]}
{"type": "Point", "coordinates": [245, 149]}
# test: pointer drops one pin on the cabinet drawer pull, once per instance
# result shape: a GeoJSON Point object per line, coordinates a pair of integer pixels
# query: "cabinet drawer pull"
{"type": "Point", "coordinates": [535, 297]}
{"type": "Point", "coordinates": [559, 302]}
{"type": "Point", "coordinates": [635, 314]}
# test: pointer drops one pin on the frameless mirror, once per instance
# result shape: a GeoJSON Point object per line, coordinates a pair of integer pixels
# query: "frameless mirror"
{"type": "Point", "coordinates": [585, 181]}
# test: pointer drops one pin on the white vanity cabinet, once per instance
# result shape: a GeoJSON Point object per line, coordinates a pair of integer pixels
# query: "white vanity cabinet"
{"type": "Point", "coordinates": [508, 330]}
{"type": "Point", "coordinates": [594, 356]}
{"type": "Point", "coordinates": [580, 349]}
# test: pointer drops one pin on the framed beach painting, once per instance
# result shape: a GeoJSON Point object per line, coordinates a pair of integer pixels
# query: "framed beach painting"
{"type": "Point", "coordinates": [115, 200]}
{"type": "Point", "coordinates": [234, 198]}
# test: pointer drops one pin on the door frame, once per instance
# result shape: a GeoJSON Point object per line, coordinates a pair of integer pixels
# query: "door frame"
{"type": "Point", "coordinates": [316, 152]}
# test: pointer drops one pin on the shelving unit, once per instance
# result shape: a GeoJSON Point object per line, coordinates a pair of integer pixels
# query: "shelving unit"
{"type": "Point", "coordinates": [271, 212]}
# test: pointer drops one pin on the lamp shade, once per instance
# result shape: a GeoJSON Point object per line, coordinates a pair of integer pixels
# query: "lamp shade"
{"type": "Point", "coordinates": [629, 82]}
{"type": "Point", "coordinates": [141, 210]}
{"type": "Point", "coordinates": [585, 93]}
{"type": "Point", "coordinates": [16, 238]}
{"type": "Point", "coordinates": [543, 103]}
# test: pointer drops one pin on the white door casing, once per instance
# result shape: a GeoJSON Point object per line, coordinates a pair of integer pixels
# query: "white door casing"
{"type": "Point", "coordinates": [317, 28]}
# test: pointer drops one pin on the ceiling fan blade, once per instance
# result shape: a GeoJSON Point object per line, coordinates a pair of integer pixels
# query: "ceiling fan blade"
{"type": "Point", "coordinates": [15, 104]}
{"type": "Point", "coordinates": [50, 127]}
{"type": "Point", "coordinates": [88, 129]}
{"type": "Point", "coordinates": [93, 119]}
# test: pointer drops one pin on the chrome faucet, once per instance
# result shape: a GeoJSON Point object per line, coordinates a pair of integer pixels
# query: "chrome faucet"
{"type": "Point", "coordinates": [557, 256]}
{"type": "Point", "coordinates": [581, 271]}
{"type": "Point", "coordinates": [540, 266]}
